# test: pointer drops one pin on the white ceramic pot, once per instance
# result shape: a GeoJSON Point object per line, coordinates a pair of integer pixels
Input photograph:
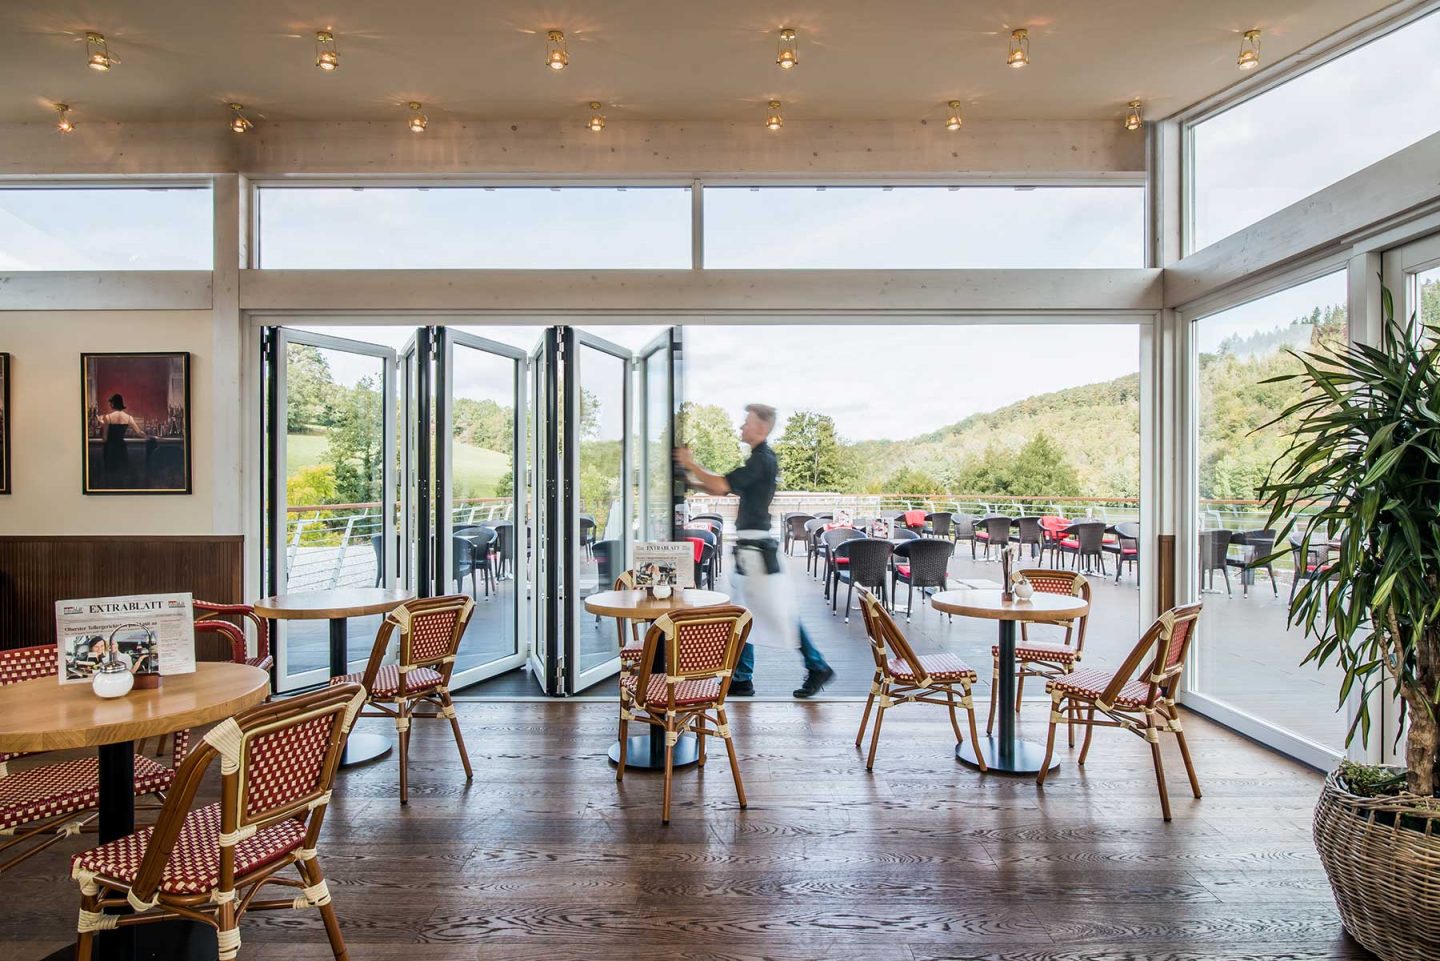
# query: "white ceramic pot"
{"type": "Point", "coordinates": [112, 680]}
{"type": "Point", "coordinates": [662, 591]}
{"type": "Point", "coordinates": [1024, 590]}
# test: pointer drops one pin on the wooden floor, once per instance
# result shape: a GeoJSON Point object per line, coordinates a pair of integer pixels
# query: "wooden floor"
{"type": "Point", "coordinates": [545, 858]}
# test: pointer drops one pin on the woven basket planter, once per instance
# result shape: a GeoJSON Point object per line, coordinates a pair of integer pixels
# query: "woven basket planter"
{"type": "Point", "coordinates": [1382, 856]}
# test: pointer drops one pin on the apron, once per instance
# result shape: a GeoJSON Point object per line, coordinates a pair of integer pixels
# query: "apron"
{"type": "Point", "coordinates": [768, 597]}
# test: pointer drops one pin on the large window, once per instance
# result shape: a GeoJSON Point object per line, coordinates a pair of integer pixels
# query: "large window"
{"type": "Point", "coordinates": [1286, 143]}
{"type": "Point", "coordinates": [924, 227]}
{"type": "Point", "coordinates": [1248, 656]}
{"type": "Point", "coordinates": [372, 228]}
{"type": "Point", "coordinates": [105, 228]}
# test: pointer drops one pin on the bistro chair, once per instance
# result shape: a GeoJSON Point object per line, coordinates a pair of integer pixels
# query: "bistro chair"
{"type": "Point", "coordinates": [1039, 659]}
{"type": "Point", "coordinates": [963, 529]}
{"type": "Point", "coordinates": [914, 519]}
{"type": "Point", "coordinates": [207, 864]}
{"type": "Point", "coordinates": [925, 564]}
{"type": "Point", "coordinates": [1125, 547]}
{"type": "Point", "coordinates": [1029, 531]}
{"type": "Point", "coordinates": [1257, 548]}
{"type": "Point", "coordinates": [705, 568]}
{"type": "Point", "coordinates": [717, 524]}
{"type": "Point", "coordinates": [902, 676]}
{"type": "Point", "coordinates": [814, 530]}
{"type": "Point", "coordinates": [430, 632]}
{"type": "Point", "coordinates": [938, 524]}
{"type": "Point", "coordinates": [796, 532]}
{"type": "Point", "coordinates": [630, 650]}
{"type": "Point", "coordinates": [207, 613]}
{"type": "Point", "coordinates": [1315, 562]}
{"type": "Point", "coordinates": [47, 803]}
{"type": "Point", "coordinates": [701, 647]}
{"type": "Point", "coordinates": [462, 563]}
{"type": "Point", "coordinates": [1215, 556]}
{"type": "Point", "coordinates": [504, 548]}
{"type": "Point", "coordinates": [1139, 697]}
{"type": "Point", "coordinates": [995, 530]}
{"type": "Point", "coordinates": [862, 561]}
{"type": "Point", "coordinates": [484, 541]}
{"type": "Point", "coordinates": [1085, 541]}
{"type": "Point", "coordinates": [831, 540]}
{"type": "Point", "coordinates": [1052, 532]}
{"type": "Point", "coordinates": [587, 534]}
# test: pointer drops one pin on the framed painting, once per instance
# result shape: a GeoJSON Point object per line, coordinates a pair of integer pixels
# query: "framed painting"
{"type": "Point", "coordinates": [4, 423]}
{"type": "Point", "coordinates": [136, 423]}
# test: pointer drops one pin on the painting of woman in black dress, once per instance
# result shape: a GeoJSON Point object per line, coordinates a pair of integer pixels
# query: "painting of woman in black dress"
{"type": "Point", "coordinates": [137, 423]}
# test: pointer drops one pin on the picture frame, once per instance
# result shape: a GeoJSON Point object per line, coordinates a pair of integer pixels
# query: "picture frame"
{"type": "Point", "coordinates": [5, 485]}
{"type": "Point", "coordinates": [135, 423]}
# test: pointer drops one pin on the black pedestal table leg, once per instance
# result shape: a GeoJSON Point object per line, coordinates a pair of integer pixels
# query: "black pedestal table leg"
{"type": "Point", "coordinates": [1004, 751]}
{"type": "Point", "coordinates": [1007, 694]}
{"type": "Point", "coordinates": [117, 819]}
{"type": "Point", "coordinates": [653, 745]}
{"type": "Point", "coordinates": [362, 746]}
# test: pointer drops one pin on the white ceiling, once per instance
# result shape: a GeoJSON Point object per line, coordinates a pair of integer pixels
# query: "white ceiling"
{"type": "Point", "coordinates": [859, 60]}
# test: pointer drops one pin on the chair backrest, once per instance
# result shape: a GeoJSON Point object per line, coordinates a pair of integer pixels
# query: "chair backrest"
{"type": "Point", "coordinates": [587, 525]}
{"type": "Point", "coordinates": [929, 562]}
{"type": "Point", "coordinates": [997, 528]}
{"type": "Point", "coordinates": [1053, 523]}
{"type": "Point", "coordinates": [1128, 531]}
{"type": "Point", "coordinates": [964, 526]}
{"type": "Point", "coordinates": [464, 554]}
{"type": "Point", "coordinates": [799, 526]}
{"type": "Point", "coordinates": [904, 534]}
{"type": "Point", "coordinates": [874, 631]}
{"type": "Point", "coordinates": [891, 639]}
{"type": "Point", "coordinates": [1068, 584]}
{"type": "Point", "coordinates": [1159, 656]}
{"type": "Point", "coordinates": [826, 516]}
{"type": "Point", "coordinates": [700, 643]}
{"type": "Point", "coordinates": [1216, 546]}
{"type": "Point", "coordinates": [702, 533]}
{"type": "Point", "coordinates": [869, 559]}
{"type": "Point", "coordinates": [243, 614]}
{"type": "Point", "coordinates": [624, 581]}
{"type": "Point", "coordinates": [27, 663]}
{"type": "Point", "coordinates": [430, 632]}
{"type": "Point", "coordinates": [1089, 535]}
{"type": "Point", "coordinates": [940, 522]}
{"type": "Point", "coordinates": [277, 762]}
{"type": "Point", "coordinates": [814, 524]}
{"type": "Point", "coordinates": [607, 558]}
{"type": "Point", "coordinates": [715, 519]}
{"type": "Point", "coordinates": [1030, 530]}
{"type": "Point", "coordinates": [839, 535]}
{"type": "Point", "coordinates": [914, 518]}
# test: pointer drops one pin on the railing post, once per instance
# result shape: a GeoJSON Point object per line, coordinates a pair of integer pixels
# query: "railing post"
{"type": "Point", "coordinates": [344, 546]}
{"type": "Point", "coordinates": [294, 547]}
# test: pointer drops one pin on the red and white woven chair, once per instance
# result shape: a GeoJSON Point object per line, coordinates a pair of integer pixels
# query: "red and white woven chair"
{"type": "Point", "coordinates": [430, 632]}
{"type": "Point", "coordinates": [630, 650]}
{"type": "Point", "coordinates": [208, 614]}
{"type": "Point", "coordinates": [277, 766]}
{"type": "Point", "coordinates": [46, 803]}
{"type": "Point", "coordinates": [1139, 697]}
{"type": "Point", "coordinates": [1039, 659]}
{"type": "Point", "coordinates": [702, 646]}
{"type": "Point", "coordinates": [902, 676]}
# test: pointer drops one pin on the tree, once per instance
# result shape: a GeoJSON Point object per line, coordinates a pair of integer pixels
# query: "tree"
{"type": "Point", "coordinates": [1042, 469]}
{"type": "Point", "coordinates": [309, 388]}
{"type": "Point", "coordinates": [812, 456]}
{"type": "Point", "coordinates": [355, 441]}
{"type": "Point", "coordinates": [911, 480]}
{"type": "Point", "coordinates": [710, 434]}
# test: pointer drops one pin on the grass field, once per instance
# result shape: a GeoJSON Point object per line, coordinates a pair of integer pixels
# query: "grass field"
{"type": "Point", "coordinates": [475, 470]}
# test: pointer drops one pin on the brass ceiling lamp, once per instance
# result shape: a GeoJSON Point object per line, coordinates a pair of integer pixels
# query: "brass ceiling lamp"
{"type": "Point", "coordinates": [956, 119]}
{"type": "Point", "coordinates": [1133, 120]}
{"type": "Point", "coordinates": [787, 53]}
{"type": "Point", "coordinates": [774, 121]}
{"type": "Point", "coordinates": [1249, 57]}
{"type": "Point", "coordinates": [239, 122]}
{"type": "Point", "coordinates": [418, 121]}
{"type": "Point", "coordinates": [65, 124]}
{"type": "Point", "coordinates": [97, 51]}
{"type": "Point", "coordinates": [1019, 55]}
{"type": "Point", "coordinates": [596, 123]}
{"type": "Point", "coordinates": [327, 57]}
{"type": "Point", "coordinates": [556, 56]}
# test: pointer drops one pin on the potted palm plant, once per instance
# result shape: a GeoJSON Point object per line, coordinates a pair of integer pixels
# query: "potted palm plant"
{"type": "Point", "coordinates": [1359, 488]}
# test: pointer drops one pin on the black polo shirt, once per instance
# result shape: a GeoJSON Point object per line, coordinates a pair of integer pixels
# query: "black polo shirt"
{"type": "Point", "coordinates": [755, 482]}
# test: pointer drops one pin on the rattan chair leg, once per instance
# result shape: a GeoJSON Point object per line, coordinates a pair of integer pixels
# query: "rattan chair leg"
{"type": "Point", "coordinates": [310, 870]}
{"type": "Point", "coordinates": [850, 597]}
{"type": "Point", "coordinates": [734, 763]}
{"type": "Point", "coordinates": [1056, 697]}
{"type": "Point", "coordinates": [669, 767]}
{"type": "Point", "coordinates": [975, 738]}
{"type": "Point", "coordinates": [1189, 764]}
{"type": "Point", "coordinates": [954, 721]}
{"type": "Point", "coordinates": [402, 731]}
{"type": "Point", "coordinates": [865, 718]}
{"type": "Point", "coordinates": [994, 686]}
{"type": "Point", "coordinates": [449, 706]}
{"type": "Point", "coordinates": [1070, 710]}
{"type": "Point", "coordinates": [624, 733]}
{"type": "Point", "coordinates": [1151, 732]}
{"type": "Point", "coordinates": [1019, 688]}
{"type": "Point", "coordinates": [226, 924]}
{"type": "Point", "coordinates": [85, 940]}
{"type": "Point", "coordinates": [875, 734]}
{"type": "Point", "coordinates": [1089, 733]}
{"type": "Point", "coordinates": [700, 748]}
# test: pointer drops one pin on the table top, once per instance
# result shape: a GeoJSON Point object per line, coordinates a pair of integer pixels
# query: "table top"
{"type": "Point", "coordinates": [989, 604]}
{"type": "Point", "coordinates": [327, 605]}
{"type": "Point", "coordinates": [45, 715]}
{"type": "Point", "coordinates": [640, 606]}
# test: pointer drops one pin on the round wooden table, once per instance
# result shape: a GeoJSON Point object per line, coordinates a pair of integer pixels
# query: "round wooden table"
{"type": "Point", "coordinates": [1006, 751]}
{"type": "Point", "coordinates": [44, 715]}
{"type": "Point", "coordinates": [647, 751]}
{"type": "Point", "coordinates": [337, 606]}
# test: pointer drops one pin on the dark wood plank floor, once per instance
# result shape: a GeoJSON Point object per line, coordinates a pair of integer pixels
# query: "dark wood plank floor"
{"type": "Point", "coordinates": [545, 858]}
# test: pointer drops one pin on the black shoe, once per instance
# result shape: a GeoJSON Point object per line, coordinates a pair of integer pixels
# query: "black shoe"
{"type": "Point", "coordinates": [742, 688]}
{"type": "Point", "coordinates": [815, 682]}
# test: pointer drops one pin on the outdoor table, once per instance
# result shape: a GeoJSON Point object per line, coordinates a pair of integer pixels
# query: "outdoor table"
{"type": "Point", "coordinates": [45, 715]}
{"type": "Point", "coordinates": [337, 606]}
{"type": "Point", "coordinates": [1006, 751]}
{"type": "Point", "coordinates": [648, 750]}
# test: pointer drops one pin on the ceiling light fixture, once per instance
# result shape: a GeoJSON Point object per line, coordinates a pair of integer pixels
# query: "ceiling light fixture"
{"type": "Point", "coordinates": [65, 125]}
{"type": "Point", "coordinates": [1133, 120]}
{"type": "Point", "coordinates": [787, 53]}
{"type": "Point", "coordinates": [97, 51]}
{"type": "Point", "coordinates": [596, 123]}
{"type": "Point", "coordinates": [1019, 48]}
{"type": "Point", "coordinates": [417, 120]}
{"type": "Point", "coordinates": [955, 120]}
{"type": "Point", "coordinates": [239, 123]}
{"type": "Point", "coordinates": [1249, 57]}
{"type": "Point", "coordinates": [774, 121]}
{"type": "Point", "coordinates": [556, 56]}
{"type": "Point", "coordinates": [327, 57]}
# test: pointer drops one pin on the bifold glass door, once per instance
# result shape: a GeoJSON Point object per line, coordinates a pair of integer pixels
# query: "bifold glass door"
{"type": "Point", "coordinates": [331, 485]}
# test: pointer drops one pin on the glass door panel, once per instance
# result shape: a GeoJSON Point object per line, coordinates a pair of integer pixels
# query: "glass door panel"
{"type": "Point", "coordinates": [332, 495]}
{"type": "Point", "coordinates": [660, 396]}
{"type": "Point", "coordinates": [543, 538]}
{"type": "Point", "coordinates": [480, 452]}
{"type": "Point", "coordinates": [598, 434]}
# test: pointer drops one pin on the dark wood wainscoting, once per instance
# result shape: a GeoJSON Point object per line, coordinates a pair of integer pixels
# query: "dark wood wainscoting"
{"type": "Point", "coordinates": [1165, 572]}
{"type": "Point", "coordinates": [35, 572]}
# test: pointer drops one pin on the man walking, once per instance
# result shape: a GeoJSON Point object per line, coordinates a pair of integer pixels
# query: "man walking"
{"type": "Point", "coordinates": [759, 573]}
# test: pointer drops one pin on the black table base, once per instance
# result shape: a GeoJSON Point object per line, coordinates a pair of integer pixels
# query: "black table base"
{"type": "Point", "coordinates": [647, 752]}
{"type": "Point", "coordinates": [362, 747]}
{"type": "Point", "coordinates": [1005, 751]}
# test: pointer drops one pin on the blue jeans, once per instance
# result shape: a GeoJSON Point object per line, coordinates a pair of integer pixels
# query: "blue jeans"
{"type": "Point", "coordinates": [814, 660]}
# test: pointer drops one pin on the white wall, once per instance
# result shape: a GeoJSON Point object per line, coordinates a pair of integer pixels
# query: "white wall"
{"type": "Point", "coordinates": [46, 423]}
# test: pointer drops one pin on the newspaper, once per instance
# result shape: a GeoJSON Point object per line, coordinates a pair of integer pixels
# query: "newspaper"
{"type": "Point", "coordinates": [149, 633]}
{"type": "Point", "coordinates": [664, 562]}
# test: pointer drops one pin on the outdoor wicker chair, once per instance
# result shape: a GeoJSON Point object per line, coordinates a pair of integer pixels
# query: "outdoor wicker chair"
{"type": "Point", "coordinates": [925, 564]}
{"type": "Point", "coordinates": [1053, 528]}
{"type": "Point", "coordinates": [1257, 547]}
{"type": "Point", "coordinates": [717, 524]}
{"type": "Point", "coordinates": [705, 565]}
{"type": "Point", "coordinates": [430, 632]}
{"type": "Point", "coordinates": [796, 531]}
{"type": "Point", "coordinates": [587, 534]}
{"type": "Point", "coordinates": [938, 524]}
{"type": "Point", "coordinates": [207, 864]}
{"type": "Point", "coordinates": [814, 530]}
{"type": "Point", "coordinates": [861, 561]}
{"type": "Point", "coordinates": [829, 541]}
{"type": "Point", "coordinates": [1029, 531]}
{"type": "Point", "coordinates": [701, 647]}
{"type": "Point", "coordinates": [1085, 541]}
{"type": "Point", "coordinates": [994, 530]}
{"type": "Point", "coordinates": [1314, 562]}
{"type": "Point", "coordinates": [1125, 547]}
{"type": "Point", "coordinates": [902, 676]}
{"type": "Point", "coordinates": [963, 529]}
{"type": "Point", "coordinates": [1139, 697]}
{"type": "Point", "coordinates": [1214, 556]}
{"type": "Point", "coordinates": [1038, 659]}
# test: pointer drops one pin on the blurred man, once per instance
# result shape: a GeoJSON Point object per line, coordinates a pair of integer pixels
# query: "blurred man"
{"type": "Point", "coordinates": [759, 577]}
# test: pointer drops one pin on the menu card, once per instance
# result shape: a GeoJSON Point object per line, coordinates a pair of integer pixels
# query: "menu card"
{"type": "Point", "coordinates": [149, 633]}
